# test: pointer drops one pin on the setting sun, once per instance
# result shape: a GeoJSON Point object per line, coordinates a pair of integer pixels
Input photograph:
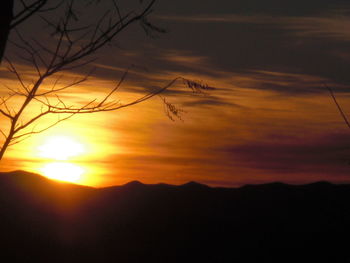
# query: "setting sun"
{"type": "Point", "coordinates": [63, 171]}
{"type": "Point", "coordinates": [60, 148]}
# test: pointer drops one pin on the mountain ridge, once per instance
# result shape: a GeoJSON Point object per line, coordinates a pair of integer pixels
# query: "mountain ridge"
{"type": "Point", "coordinates": [190, 184]}
{"type": "Point", "coordinates": [49, 221]}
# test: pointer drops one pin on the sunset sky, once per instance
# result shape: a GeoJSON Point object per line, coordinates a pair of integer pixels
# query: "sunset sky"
{"type": "Point", "coordinates": [270, 117]}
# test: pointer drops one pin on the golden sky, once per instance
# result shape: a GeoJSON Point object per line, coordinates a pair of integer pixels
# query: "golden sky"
{"type": "Point", "coordinates": [270, 117]}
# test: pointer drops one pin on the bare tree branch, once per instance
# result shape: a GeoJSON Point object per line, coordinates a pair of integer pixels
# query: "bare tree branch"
{"type": "Point", "coordinates": [29, 10]}
{"type": "Point", "coordinates": [338, 106]}
{"type": "Point", "coordinates": [73, 48]}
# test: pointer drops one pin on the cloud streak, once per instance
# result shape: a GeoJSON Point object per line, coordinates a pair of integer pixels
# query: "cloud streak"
{"type": "Point", "coordinates": [326, 26]}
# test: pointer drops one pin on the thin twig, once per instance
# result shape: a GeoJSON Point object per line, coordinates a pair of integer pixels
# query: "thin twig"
{"type": "Point", "coordinates": [338, 106]}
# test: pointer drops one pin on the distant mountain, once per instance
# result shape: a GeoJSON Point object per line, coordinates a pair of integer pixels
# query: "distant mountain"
{"type": "Point", "coordinates": [47, 221]}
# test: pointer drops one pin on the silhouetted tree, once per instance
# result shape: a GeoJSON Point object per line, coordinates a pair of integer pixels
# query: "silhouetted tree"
{"type": "Point", "coordinates": [10, 19]}
{"type": "Point", "coordinates": [74, 43]}
{"type": "Point", "coordinates": [6, 17]}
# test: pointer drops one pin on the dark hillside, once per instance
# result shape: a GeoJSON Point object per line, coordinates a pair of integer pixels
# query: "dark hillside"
{"type": "Point", "coordinates": [47, 221]}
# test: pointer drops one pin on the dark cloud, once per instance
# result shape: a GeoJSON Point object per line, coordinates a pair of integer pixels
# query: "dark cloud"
{"type": "Point", "coordinates": [288, 83]}
{"type": "Point", "coordinates": [239, 47]}
{"type": "Point", "coordinates": [209, 102]}
{"type": "Point", "coordinates": [323, 154]}
{"type": "Point", "coordinates": [275, 7]}
{"type": "Point", "coordinates": [235, 37]}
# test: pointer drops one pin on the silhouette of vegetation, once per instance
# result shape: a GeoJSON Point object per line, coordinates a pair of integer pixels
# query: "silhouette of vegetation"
{"type": "Point", "coordinates": [9, 18]}
{"type": "Point", "coordinates": [74, 43]}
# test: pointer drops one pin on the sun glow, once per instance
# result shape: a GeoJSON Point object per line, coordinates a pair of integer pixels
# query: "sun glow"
{"type": "Point", "coordinates": [60, 148]}
{"type": "Point", "coordinates": [62, 171]}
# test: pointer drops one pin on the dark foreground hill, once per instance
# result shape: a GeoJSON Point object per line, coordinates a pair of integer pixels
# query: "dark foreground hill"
{"type": "Point", "coordinates": [47, 221]}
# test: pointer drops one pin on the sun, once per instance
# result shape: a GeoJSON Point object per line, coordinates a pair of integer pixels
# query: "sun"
{"type": "Point", "coordinates": [62, 171]}
{"type": "Point", "coordinates": [60, 148]}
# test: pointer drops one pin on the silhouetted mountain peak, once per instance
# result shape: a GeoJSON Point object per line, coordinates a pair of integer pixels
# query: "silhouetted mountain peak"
{"type": "Point", "coordinates": [22, 177]}
{"type": "Point", "coordinates": [133, 184]}
{"type": "Point", "coordinates": [194, 185]}
{"type": "Point", "coordinates": [32, 179]}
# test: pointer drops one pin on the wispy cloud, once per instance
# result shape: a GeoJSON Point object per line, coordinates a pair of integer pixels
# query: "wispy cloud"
{"type": "Point", "coordinates": [331, 27]}
{"type": "Point", "coordinates": [326, 26]}
{"type": "Point", "coordinates": [324, 154]}
{"type": "Point", "coordinates": [219, 18]}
